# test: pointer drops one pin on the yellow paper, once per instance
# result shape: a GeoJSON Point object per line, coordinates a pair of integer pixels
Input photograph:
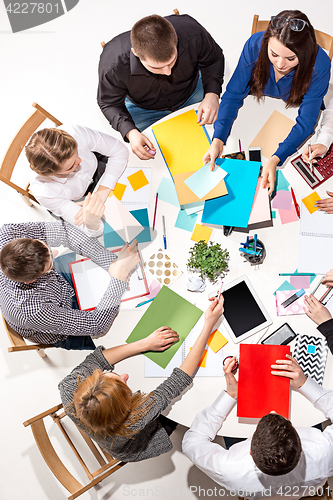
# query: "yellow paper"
{"type": "Point", "coordinates": [272, 133]}
{"type": "Point", "coordinates": [216, 341]}
{"type": "Point", "coordinates": [201, 233]}
{"type": "Point", "coordinates": [186, 195]}
{"type": "Point", "coordinates": [182, 142]}
{"type": "Point", "coordinates": [119, 190]}
{"type": "Point", "coordinates": [203, 359]}
{"type": "Point", "coordinates": [137, 180]}
{"type": "Point", "coordinates": [310, 200]}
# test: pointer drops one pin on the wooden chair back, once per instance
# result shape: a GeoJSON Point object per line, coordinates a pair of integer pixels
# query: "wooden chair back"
{"type": "Point", "coordinates": [23, 135]}
{"type": "Point", "coordinates": [107, 465]}
{"type": "Point", "coordinates": [324, 40]}
{"type": "Point", "coordinates": [19, 344]}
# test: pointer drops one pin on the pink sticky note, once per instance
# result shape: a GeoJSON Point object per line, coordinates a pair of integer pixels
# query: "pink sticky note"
{"type": "Point", "coordinates": [154, 288]}
{"type": "Point", "coordinates": [283, 200]}
{"type": "Point", "coordinates": [300, 282]}
{"type": "Point", "coordinates": [288, 215]}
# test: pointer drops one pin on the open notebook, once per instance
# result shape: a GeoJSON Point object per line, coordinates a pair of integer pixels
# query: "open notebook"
{"type": "Point", "coordinates": [214, 361]}
{"type": "Point", "coordinates": [315, 242]}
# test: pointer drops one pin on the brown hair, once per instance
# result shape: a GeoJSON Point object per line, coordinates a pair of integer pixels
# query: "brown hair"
{"type": "Point", "coordinates": [154, 37]}
{"type": "Point", "coordinates": [302, 43]}
{"type": "Point", "coordinates": [48, 149]}
{"type": "Point", "coordinates": [106, 405]}
{"type": "Point", "coordinates": [24, 259]}
{"type": "Point", "coordinates": [275, 446]}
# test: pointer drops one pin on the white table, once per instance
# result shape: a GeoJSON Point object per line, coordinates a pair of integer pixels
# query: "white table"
{"type": "Point", "coordinates": [281, 243]}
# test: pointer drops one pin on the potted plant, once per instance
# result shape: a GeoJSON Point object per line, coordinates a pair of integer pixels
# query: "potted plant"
{"type": "Point", "coordinates": [209, 259]}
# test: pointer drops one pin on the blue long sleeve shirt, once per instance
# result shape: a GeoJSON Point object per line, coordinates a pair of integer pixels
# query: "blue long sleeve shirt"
{"type": "Point", "coordinates": [238, 88]}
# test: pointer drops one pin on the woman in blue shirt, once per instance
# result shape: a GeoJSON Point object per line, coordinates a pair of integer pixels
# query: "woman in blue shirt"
{"type": "Point", "coordinates": [283, 62]}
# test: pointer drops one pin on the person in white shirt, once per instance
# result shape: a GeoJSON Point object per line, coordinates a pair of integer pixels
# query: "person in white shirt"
{"type": "Point", "coordinates": [69, 162]}
{"type": "Point", "coordinates": [323, 142]}
{"type": "Point", "coordinates": [278, 461]}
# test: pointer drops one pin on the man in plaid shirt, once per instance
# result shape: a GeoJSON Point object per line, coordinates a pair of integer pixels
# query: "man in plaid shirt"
{"type": "Point", "coordinates": [37, 301]}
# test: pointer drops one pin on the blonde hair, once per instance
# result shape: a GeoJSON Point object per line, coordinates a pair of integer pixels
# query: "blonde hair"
{"type": "Point", "coordinates": [107, 407]}
{"type": "Point", "coordinates": [47, 149]}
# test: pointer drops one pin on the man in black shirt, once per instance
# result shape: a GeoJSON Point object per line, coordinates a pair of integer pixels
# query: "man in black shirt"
{"type": "Point", "coordinates": [153, 70]}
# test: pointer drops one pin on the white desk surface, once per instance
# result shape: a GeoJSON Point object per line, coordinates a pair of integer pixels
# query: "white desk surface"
{"type": "Point", "coordinates": [281, 243]}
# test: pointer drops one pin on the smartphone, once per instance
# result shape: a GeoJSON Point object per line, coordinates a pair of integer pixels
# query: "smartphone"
{"type": "Point", "coordinates": [255, 154]}
{"type": "Point", "coordinates": [281, 336]}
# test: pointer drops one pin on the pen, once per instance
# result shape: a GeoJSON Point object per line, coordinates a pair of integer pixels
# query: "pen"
{"type": "Point", "coordinates": [292, 299]}
{"type": "Point", "coordinates": [164, 233]}
{"type": "Point", "coordinates": [154, 220]}
{"type": "Point", "coordinates": [295, 202]}
{"type": "Point", "coordinates": [220, 291]}
{"type": "Point", "coordinates": [240, 145]}
{"type": "Point", "coordinates": [145, 302]}
{"type": "Point", "coordinates": [325, 295]}
{"type": "Point", "coordinates": [297, 274]}
{"type": "Point", "coordinates": [310, 158]}
{"type": "Point", "coordinates": [328, 296]}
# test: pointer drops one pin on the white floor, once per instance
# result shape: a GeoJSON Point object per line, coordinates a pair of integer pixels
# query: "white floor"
{"type": "Point", "coordinates": [56, 65]}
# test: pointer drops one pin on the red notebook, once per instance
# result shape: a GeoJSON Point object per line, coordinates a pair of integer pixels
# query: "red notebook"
{"type": "Point", "coordinates": [260, 392]}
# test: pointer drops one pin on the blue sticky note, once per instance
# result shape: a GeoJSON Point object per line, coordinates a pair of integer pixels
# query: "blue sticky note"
{"type": "Point", "coordinates": [281, 183]}
{"type": "Point", "coordinates": [203, 180]}
{"type": "Point", "coordinates": [285, 286]}
{"type": "Point", "coordinates": [234, 209]}
{"type": "Point", "coordinates": [141, 216]}
{"type": "Point", "coordinates": [185, 221]}
{"type": "Point", "coordinates": [112, 238]}
{"type": "Point", "coordinates": [167, 192]}
{"type": "Point", "coordinates": [311, 349]}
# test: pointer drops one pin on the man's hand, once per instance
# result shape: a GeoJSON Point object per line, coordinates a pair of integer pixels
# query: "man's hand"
{"type": "Point", "coordinates": [160, 339]}
{"type": "Point", "coordinates": [291, 369]}
{"type": "Point", "coordinates": [140, 145]}
{"type": "Point", "coordinates": [92, 211]}
{"type": "Point", "coordinates": [269, 173]}
{"type": "Point", "coordinates": [214, 312]}
{"type": "Point", "coordinates": [128, 259]}
{"type": "Point", "coordinates": [328, 278]}
{"type": "Point", "coordinates": [316, 311]}
{"type": "Point", "coordinates": [214, 151]}
{"type": "Point", "coordinates": [232, 384]}
{"type": "Point", "coordinates": [326, 205]}
{"type": "Point", "coordinates": [316, 150]}
{"type": "Point", "coordinates": [209, 108]}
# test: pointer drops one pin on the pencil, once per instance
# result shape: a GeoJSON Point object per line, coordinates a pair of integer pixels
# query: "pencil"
{"type": "Point", "coordinates": [155, 209]}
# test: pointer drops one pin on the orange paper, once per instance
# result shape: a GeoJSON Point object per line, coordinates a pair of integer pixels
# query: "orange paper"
{"type": "Point", "coordinates": [201, 233]}
{"type": "Point", "coordinates": [137, 180]}
{"type": "Point", "coordinates": [310, 200]}
{"type": "Point", "coordinates": [186, 195]}
{"type": "Point", "coordinates": [119, 190]}
{"type": "Point", "coordinates": [216, 341]}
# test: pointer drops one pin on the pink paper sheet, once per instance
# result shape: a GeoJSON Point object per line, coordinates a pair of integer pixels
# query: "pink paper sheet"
{"type": "Point", "coordinates": [288, 215]}
{"type": "Point", "coordinates": [300, 282]}
{"type": "Point", "coordinates": [283, 200]}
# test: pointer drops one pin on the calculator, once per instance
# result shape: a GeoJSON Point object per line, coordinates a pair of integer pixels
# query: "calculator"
{"type": "Point", "coordinates": [322, 170]}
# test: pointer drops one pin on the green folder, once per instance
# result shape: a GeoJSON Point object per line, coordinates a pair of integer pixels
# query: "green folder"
{"type": "Point", "coordinates": [167, 309]}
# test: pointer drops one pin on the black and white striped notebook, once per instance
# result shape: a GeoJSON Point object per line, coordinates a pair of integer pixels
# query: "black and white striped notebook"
{"type": "Point", "coordinates": [311, 354]}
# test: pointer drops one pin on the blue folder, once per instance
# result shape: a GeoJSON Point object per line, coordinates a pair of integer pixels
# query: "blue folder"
{"type": "Point", "coordinates": [234, 209]}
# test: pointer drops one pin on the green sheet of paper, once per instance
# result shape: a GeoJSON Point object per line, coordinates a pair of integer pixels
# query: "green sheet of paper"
{"type": "Point", "coordinates": [169, 309]}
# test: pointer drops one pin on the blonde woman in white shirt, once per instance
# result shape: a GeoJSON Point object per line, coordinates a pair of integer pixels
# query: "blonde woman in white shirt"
{"type": "Point", "coordinates": [68, 163]}
{"type": "Point", "coordinates": [323, 142]}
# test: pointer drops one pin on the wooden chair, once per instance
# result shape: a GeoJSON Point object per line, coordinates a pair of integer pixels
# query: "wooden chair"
{"type": "Point", "coordinates": [325, 41]}
{"type": "Point", "coordinates": [19, 344]}
{"type": "Point", "coordinates": [23, 135]}
{"type": "Point", "coordinates": [107, 465]}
